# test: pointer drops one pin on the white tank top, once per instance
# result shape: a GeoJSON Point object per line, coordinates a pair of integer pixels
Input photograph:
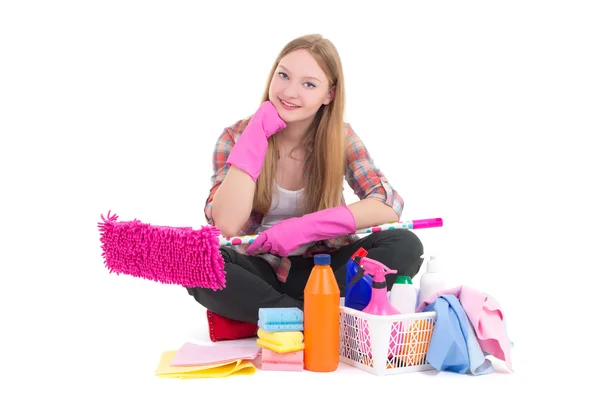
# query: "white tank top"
{"type": "Point", "coordinates": [285, 204]}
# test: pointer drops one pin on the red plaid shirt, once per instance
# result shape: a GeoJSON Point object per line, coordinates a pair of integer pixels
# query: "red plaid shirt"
{"type": "Point", "coordinates": [365, 179]}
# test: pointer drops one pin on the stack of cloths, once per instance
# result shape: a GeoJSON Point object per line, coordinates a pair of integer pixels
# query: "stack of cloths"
{"type": "Point", "coordinates": [280, 335]}
{"type": "Point", "coordinates": [200, 361]}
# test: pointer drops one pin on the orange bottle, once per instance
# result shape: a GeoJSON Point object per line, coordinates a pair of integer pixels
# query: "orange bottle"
{"type": "Point", "coordinates": [321, 317]}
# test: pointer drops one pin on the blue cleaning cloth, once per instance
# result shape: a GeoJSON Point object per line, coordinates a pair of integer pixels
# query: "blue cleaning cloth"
{"type": "Point", "coordinates": [454, 346]}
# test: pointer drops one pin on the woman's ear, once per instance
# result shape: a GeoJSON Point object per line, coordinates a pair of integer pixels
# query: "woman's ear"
{"type": "Point", "coordinates": [330, 95]}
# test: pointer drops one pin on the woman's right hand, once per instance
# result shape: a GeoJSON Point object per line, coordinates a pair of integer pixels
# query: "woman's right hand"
{"type": "Point", "coordinates": [269, 119]}
{"type": "Point", "coordinates": [248, 153]}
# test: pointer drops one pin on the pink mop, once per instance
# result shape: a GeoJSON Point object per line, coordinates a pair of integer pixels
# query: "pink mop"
{"type": "Point", "coordinates": [184, 256]}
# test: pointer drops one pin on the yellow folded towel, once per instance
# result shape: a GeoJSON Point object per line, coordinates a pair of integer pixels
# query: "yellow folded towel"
{"type": "Point", "coordinates": [236, 367]}
{"type": "Point", "coordinates": [281, 342]}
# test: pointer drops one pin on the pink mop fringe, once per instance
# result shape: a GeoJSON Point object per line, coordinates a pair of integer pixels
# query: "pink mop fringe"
{"type": "Point", "coordinates": [169, 255]}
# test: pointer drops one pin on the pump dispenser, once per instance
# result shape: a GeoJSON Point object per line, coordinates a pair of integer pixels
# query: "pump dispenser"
{"type": "Point", "coordinates": [379, 303]}
{"type": "Point", "coordinates": [432, 280]}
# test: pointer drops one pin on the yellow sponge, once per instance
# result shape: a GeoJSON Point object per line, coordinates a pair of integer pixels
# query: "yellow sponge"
{"type": "Point", "coordinates": [280, 342]}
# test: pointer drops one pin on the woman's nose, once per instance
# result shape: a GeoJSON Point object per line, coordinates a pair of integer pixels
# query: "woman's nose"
{"type": "Point", "coordinates": [290, 90]}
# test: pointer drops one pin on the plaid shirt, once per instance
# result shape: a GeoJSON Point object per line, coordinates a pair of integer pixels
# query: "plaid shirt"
{"type": "Point", "coordinates": [365, 179]}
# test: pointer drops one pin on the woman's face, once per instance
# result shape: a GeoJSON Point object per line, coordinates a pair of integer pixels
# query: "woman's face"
{"type": "Point", "coordinates": [299, 87]}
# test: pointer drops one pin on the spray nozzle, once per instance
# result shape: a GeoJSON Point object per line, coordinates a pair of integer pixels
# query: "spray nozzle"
{"type": "Point", "coordinates": [374, 268]}
{"type": "Point", "coordinates": [359, 255]}
{"type": "Point", "coordinates": [357, 259]}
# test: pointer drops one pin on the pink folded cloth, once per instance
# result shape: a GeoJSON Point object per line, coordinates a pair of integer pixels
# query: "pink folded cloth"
{"type": "Point", "coordinates": [485, 316]}
{"type": "Point", "coordinates": [292, 361]}
{"type": "Point", "coordinates": [191, 354]}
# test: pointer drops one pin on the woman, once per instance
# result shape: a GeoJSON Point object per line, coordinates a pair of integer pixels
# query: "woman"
{"type": "Point", "coordinates": [280, 174]}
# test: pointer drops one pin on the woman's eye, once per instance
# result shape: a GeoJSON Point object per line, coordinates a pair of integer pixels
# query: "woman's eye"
{"type": "Point", "coordinates": [309, 85]}
{"type": "Point", "coordinates": [283, 75]}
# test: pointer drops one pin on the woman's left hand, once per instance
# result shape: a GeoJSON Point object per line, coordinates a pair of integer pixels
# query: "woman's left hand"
{"type": "Point", "coordinates": [281, 239]}
{"type": "Point", "coordinates": [286, 236]}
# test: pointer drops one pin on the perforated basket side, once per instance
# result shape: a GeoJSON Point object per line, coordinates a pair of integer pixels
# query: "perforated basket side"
{"type": "Point", "coordinates": [385, 345]}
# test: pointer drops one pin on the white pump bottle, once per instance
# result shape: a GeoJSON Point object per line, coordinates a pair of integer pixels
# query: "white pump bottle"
{"type": "Point", "coordinates": [432, 281]}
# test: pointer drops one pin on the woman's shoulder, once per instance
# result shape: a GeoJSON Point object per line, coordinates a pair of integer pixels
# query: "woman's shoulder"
{"type": "Point", "coordinates": [351, 135]}
{"type": "Point", "coordinates": [234, 130]}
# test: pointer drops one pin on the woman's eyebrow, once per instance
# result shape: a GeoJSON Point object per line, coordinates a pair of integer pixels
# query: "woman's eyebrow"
{"type": "Point", "coordinates": [306, 77]}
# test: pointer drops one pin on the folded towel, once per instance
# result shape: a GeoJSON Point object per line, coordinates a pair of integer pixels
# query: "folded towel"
{"type": "Point", "coordinates": [217, 370]}
{"type": "Point", "coordinates": [453, 346]}
{"type": "Point", "coordinates": [292, 361]}
{"type": "Point", "coordinates": [280, 342]}
{"type": "Point", "coordinates": [191, 354]}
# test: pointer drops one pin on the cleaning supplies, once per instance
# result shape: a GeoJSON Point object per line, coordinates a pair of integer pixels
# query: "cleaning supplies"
{"type": "Point", "coordinates": [281, 339]}
{"type": "Point", "coordinates": [379, 303]}
{"type": "Point", "coordinates": [223, 328]}
{"type": "Point", "coordinates": [280, 319]}
{"type": "Point", "coordinates": [358, 294]}
{"type": "Point", "coordinates": [321, 317]}
{"type": "Point", "coordinates": [432, 281]}
{"type": "Point", "coordinates": [183, 255]}
{"type": "Point", "coordinates": [403, 295]}
{"type": "Point", "coordinates": [164, 254]}
{"type": "Point", "coordinates": [280, 342]}
{"type": "Point", "coordinates": [192, 354]}
{"type": "Point", "coordinates": [219, 370]}
{"type": "Point", "coordinates": [273, 361]}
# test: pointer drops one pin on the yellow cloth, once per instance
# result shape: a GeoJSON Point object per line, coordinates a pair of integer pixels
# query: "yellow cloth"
{"type": "Point", "coordinates": [221, 370]}
{"type": "Point", "coordinates": [280, 342]}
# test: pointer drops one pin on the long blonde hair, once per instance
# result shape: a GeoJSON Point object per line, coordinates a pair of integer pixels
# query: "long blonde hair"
{"type": "Point", "coordinates": [325, 140]}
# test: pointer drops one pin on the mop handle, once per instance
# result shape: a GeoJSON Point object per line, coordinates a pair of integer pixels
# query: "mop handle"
{"type": "Point", "coordinates": [414, 224]}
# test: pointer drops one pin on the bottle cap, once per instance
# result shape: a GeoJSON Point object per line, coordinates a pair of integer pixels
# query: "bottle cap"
{"type": "Point", "coordinates": [322, 259]}
{"type": "Point", "coordinates": [403, 279]}
{"type": "Point", "coordinates": [433, 264]}
{"type": "Point", "coordinates": [360, 253]}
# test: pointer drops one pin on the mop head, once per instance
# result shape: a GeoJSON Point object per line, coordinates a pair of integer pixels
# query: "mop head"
{"type": "Point", "coordinates": [169, 255]}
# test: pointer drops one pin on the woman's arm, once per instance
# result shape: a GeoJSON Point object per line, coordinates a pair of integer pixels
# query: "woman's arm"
{"type": "Point", "coordinates": [229, 202]}
{"type": "Point", "coordinates": [371, 212]}
{"type": "Point", "coordinates": [379, 202]}
{"type": "Point", "coordinates": [233, 200]}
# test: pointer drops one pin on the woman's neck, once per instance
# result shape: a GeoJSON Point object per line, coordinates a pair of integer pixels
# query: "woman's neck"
{"type": "Point", "coordinates": [294, 133]}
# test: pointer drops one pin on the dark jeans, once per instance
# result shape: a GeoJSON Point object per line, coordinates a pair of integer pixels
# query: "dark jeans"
{"type": "Point", "coordinates": [251, 282]}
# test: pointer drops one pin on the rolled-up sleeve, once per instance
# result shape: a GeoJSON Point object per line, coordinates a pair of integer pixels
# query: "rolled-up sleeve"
{"type": "Point", "coordinates": [363, 176]}
{"type": "Point", "coordinates": [221, 152]}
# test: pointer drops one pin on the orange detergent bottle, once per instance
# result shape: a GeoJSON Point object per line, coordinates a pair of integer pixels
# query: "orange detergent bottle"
{"type": "Point", "coordinates": [321, 317]}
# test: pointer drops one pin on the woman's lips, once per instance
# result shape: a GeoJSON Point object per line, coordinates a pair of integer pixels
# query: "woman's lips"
{"type": "Point", "coordinates": [288, 105]}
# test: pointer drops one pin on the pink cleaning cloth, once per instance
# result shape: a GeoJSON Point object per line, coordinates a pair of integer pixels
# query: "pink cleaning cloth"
{"type": "Point", "coordinates": [191, 354]}
{"type": "Point", "coordinates": [292, 361]}
{"type": "Point", "coordinates": [485, 316]}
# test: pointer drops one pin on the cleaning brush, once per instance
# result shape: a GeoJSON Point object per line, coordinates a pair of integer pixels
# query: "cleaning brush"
{"type": "Point", "coordinates": [185, 256]}
{"type": "Point", "coordinates": [170, 255]}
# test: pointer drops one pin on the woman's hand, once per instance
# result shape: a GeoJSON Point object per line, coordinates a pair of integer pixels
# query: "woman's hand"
{"type": "Point", "coordinates": [286, 236]}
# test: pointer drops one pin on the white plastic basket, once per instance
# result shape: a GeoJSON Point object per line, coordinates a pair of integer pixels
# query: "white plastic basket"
{"type": "Point", "coordinates": [385, 344]}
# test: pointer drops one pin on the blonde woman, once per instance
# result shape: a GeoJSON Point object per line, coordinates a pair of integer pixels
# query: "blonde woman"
{"type": "Point", "coordinates": [280, 174]}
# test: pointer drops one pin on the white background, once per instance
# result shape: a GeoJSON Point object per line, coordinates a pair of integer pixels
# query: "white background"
{"type": "Point", "coordinates": [482, 113]}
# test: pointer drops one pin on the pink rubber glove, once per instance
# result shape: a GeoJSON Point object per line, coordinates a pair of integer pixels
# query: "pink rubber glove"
{"type": "Point", "coordinates": [286, 236]}
{"type": "Point", "coordinates": [248, 153]}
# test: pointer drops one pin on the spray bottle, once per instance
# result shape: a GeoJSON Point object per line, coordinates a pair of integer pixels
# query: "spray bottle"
{"type": "Point", "coordinates": [379, 303]}
{"type": "Point", "coordinates": [358, 294]}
